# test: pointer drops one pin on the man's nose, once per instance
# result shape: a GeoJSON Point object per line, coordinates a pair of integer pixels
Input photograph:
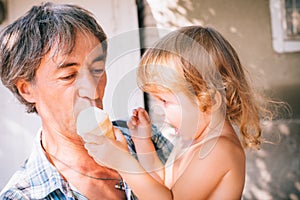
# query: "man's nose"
{"type": "Point", "coordinates": [87, 85]}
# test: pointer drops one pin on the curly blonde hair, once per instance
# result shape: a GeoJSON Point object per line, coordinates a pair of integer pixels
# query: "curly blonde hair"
{"type": "Point", "coordinates": [200, 61]}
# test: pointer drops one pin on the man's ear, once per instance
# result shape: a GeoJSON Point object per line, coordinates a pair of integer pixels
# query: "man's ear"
{"type": "Point", "coordinates": [25, 90]}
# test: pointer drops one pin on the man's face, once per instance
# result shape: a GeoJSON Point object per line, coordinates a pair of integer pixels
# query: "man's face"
{"type": "Point", "coordinates": [65, 84]}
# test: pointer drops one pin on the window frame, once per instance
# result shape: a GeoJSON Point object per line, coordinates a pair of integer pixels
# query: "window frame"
{"type": "Point", "coordinates": [281, 43]}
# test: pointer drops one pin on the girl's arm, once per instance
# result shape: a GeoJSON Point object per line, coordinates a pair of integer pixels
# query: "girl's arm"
{"type": "Point", "coordinates": [217, 175]}
{"type": "Point", "coordinates": [114, 154]}
{"type": "Point", "coordinates": [140, 130]}
{"type": "Point", "coordinates": [143, 184]}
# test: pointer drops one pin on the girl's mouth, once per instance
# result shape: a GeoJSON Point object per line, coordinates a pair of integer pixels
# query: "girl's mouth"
{"type": "Point", "coordinates": [176, 131]}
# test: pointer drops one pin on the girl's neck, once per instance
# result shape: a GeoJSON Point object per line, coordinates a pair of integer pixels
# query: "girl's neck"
{"type": "Point", "coordinates": [214, 127]}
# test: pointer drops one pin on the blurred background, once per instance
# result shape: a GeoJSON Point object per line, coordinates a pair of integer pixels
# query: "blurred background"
{"type": "Point", "coordinates": [266, 35]}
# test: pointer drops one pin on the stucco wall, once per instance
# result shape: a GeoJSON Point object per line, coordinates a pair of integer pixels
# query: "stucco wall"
{"type": "Point", "coordinates": [247, 25]}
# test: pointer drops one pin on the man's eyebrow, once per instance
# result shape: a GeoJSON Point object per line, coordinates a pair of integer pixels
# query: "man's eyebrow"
{"type": "Point", "coordinates": [70, 64]}
{"type": "Point", "coordinates": [99, 58]}
{"type": "Point", "coordinates": [66, 64]}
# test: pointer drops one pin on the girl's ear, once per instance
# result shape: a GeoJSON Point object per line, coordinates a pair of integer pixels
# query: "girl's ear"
{"type": "Point", "coordinates": [217, 101]}
{"type": "Point", "coordinates": [25, 90]}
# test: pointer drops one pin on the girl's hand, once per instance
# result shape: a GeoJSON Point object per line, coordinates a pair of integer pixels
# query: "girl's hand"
{"type": "Point", "coordinates": [140, 124]}
{"type": "Point", "coordinates": [108, 152]}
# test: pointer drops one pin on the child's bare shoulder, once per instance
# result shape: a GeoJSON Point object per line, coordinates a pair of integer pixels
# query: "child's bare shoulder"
{"type": "Point", "coordinates": [219, 161]}
{"type": "Point", "coordinates": [225, 147]}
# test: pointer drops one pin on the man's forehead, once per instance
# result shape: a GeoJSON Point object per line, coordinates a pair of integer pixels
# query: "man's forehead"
{"type": "Point", "coordinates": [59, 56]}
{"type": "Point", "coordinates": [82, 43]}
{"type": "Point", "coordinates": [96, 53]}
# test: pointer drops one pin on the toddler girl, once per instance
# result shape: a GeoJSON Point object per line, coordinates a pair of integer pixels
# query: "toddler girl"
{"type": "Point", "coordinates": [196, 77]}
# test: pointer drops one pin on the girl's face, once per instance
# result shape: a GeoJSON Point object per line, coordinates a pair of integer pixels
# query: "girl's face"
{"type": "Point", "coordinates": [182, 113]}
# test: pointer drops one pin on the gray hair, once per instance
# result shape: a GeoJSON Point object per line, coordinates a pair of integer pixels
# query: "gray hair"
{"type": "Point", "coordinates": [26, 41]}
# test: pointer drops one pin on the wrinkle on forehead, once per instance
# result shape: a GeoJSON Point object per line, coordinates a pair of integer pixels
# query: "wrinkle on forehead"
{"type": "Point", "coordinates": [61, 50]}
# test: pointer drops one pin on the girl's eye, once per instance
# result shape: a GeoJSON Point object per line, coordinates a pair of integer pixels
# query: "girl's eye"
{"type": "Point", "coordinates": [163, 100]}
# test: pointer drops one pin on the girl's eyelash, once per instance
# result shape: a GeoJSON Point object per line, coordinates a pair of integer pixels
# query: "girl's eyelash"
{"type": "Point", "coordinates": [163, 100]}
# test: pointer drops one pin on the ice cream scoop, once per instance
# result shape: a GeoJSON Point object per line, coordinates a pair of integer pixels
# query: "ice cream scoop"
{"type": "Point", "coordinates": [96, 121]}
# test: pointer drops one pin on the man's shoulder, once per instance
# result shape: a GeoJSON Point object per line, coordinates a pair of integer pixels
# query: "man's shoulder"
{"type": "Point", "coordinates": [36, 179]}
{"type": "Point", "coordinates": [14, 194]}
{"type": "Point", "coordinates": [18, 187]}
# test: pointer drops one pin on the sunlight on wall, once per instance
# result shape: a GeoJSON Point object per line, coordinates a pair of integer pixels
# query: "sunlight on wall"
{"type": "Point", "coordinates": [163, 12]}
{"type": "Point", "coordinates": [173, 14]}
{"type": "Point", "coordinates": [273, 171]}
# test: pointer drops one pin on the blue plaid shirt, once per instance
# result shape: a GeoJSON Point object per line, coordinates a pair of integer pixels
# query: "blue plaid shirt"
{"type": "Point", "coordinates": [39, 179]}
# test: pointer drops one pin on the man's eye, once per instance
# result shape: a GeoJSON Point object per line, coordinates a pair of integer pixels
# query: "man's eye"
{"type": "Point", "coordinates": [69, 77]}
{"type": "Point", "coordinates": [97, 72]}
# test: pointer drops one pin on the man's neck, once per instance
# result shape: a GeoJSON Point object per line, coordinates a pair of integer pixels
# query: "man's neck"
{"type": "Point", "coordinates": [68, 150]}
{"type": "Point", "coordinates": [71, 159]}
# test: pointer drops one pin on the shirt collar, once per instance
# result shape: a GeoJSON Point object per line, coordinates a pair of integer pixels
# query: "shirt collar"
{"type": "Point", "coordinates": [44, 177]}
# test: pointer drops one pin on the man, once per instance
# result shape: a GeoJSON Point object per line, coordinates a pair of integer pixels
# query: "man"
{"type": "Point", "coordinates": [53, 60]}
